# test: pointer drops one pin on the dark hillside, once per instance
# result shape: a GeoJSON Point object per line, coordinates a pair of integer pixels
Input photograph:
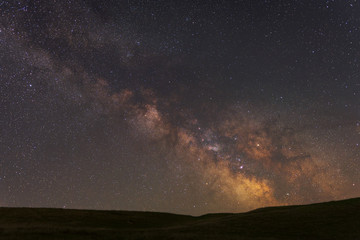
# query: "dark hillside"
{"type": "Point", "coordinates": [331, 220]}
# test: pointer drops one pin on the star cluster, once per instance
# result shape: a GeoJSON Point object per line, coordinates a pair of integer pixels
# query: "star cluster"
{"type": "Point", "coordinates": [187, 107]}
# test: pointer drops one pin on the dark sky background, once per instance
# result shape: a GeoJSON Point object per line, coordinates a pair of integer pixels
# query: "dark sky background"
{"type": "Point", "coordinates": [178, 106]}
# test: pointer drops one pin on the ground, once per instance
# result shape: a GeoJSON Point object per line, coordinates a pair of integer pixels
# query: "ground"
{"type": "Point", "coordinates": [331, 220]}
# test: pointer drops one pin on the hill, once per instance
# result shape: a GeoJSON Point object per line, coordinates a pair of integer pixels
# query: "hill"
{"type": "Point", "coordinates": [331, 220]}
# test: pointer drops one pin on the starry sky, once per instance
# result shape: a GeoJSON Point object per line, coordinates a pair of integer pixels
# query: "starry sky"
{"type": "Point", "coordinates": [179, 106]}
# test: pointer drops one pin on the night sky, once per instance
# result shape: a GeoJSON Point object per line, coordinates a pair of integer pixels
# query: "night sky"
{"type": "Point", "coordinates": [179, 106]}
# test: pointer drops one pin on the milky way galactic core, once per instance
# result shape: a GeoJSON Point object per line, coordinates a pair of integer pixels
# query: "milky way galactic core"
{"type": "Point", "coordinates": [178, 106]}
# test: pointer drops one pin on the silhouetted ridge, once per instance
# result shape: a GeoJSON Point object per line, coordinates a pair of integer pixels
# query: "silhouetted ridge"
{"type": "Point", "coordinates": [330, 220]}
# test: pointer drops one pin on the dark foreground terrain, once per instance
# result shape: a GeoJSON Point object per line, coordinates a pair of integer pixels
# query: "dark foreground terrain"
{"type": "Point", "coordinates": [332, 220]}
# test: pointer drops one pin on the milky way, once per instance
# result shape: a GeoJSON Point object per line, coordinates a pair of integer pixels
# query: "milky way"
{"type": "Point", "coordinates": [185, 107]}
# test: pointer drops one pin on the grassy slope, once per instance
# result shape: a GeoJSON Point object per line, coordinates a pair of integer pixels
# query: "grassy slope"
{"type": "Point", "coordinates": [332, 220]}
